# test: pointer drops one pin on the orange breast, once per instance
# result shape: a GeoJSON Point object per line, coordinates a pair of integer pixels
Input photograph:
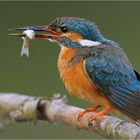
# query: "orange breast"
{"type": "Point", "coordinates": [76, 79]}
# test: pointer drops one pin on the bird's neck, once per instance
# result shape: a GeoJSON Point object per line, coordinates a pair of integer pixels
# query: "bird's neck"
{"type": "Point", "coordinates": [69, 57]}
{"type": "Point", "coordinates": [83, 42]}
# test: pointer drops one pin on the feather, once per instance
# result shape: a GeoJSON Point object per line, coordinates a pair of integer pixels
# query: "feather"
{"type": "Point", "coordinates": [30, 34]}
{"type": "Point", "coordinates": [89, 43]}
{"type": "Point", "coordinates": [112, 73]}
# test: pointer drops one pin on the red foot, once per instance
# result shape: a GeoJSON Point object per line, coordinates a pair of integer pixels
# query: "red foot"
{"type": "Point", "coordinates": [103, 112]}
{"type": "Point", "coordinates": [92, 109]}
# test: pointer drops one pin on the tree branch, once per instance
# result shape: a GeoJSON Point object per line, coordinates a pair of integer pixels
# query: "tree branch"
{"type": "Point", "coordinates": [21, 108]}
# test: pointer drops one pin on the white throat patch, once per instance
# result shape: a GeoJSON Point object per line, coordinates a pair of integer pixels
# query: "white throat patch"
{"type": "Point", "coordinates": [88, 43]}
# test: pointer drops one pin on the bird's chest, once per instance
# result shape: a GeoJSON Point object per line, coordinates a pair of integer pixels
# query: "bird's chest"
{"type": "Point", "coordinates": [74, 75]}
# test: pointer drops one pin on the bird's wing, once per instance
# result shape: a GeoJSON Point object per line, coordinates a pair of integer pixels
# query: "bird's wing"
{"type": "Point", "coordinates": [111, 72]}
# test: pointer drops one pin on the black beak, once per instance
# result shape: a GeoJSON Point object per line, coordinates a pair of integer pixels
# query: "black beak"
{"type": "Point", "coordinates": [40, 32]}
{"type": "Point", "coordinates": [35, 28]}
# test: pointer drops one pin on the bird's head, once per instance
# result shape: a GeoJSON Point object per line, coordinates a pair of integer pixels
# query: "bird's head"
{"type": "Point", "coordinates": [70, 32]}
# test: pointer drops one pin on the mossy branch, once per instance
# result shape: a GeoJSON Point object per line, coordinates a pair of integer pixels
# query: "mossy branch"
{"type": "Point", "coordinates": [21, 108]}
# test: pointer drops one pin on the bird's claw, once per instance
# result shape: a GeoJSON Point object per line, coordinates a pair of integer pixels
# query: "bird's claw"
{"type": "Point", "coordinates": [92, 109]}
{"type": "Point", "coordinates": [90, 124]}
{"type": "Point", "coordinates": [79, 118]}
{"type": "Point", "coordinates": [92, 118]}
{"type": "Point", "coordinates": [80, 115]}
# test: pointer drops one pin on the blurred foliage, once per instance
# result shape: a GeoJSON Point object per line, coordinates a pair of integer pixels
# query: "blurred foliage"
{"type": "Point", "coordinates": [38, 74]}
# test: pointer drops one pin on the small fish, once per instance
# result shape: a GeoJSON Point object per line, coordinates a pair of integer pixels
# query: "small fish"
{"type": "Point", "coordinates": [30, 34]}
{"type": "Point", "coordinates": [27, 35]}
{"type": "Point", "coordinates": [25, 47]}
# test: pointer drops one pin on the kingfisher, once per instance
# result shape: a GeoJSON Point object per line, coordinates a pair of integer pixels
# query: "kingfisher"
{"type": "Point", "coordinates": [93, 67]}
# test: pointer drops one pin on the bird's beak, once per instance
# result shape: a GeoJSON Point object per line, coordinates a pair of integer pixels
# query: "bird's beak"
{"type": "Point", "coordinates": [40, 32]}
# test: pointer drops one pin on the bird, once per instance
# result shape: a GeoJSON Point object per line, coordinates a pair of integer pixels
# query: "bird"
{"type": "Point", "coordinates": [93, 67]}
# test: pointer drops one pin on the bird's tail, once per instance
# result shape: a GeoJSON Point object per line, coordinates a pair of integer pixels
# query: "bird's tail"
{"type": "Point", "coordinates": [127, 99]}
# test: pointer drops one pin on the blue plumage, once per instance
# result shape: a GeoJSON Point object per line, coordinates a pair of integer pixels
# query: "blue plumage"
{"type": "Point", "coordinates": [106, 63]}
{"type": "Point", "coordinates": [112, 73]}
{"type": "Point", "coordinates": [86, 28]}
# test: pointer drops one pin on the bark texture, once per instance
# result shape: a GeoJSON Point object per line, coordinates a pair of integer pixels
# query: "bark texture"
{"type": "Point", "coordinates": [20, 108]}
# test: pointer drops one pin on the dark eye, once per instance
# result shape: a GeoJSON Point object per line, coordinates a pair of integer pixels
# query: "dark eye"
{"type": "Point", "coordinates": [64, 29]}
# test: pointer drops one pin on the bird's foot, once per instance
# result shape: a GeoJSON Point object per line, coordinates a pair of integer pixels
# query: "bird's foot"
{"type": "Point", "coordinates": [93, 117]}
{"type": "Point", "coordinates": [92, 109]}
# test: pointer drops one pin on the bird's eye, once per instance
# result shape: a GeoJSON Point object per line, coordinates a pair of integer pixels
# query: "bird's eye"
{"type": "Point", "coordinates": [64, 29]}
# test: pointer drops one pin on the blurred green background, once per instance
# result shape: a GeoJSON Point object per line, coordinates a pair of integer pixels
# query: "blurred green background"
{"type": "Point", "coordinates": [38, 74]}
